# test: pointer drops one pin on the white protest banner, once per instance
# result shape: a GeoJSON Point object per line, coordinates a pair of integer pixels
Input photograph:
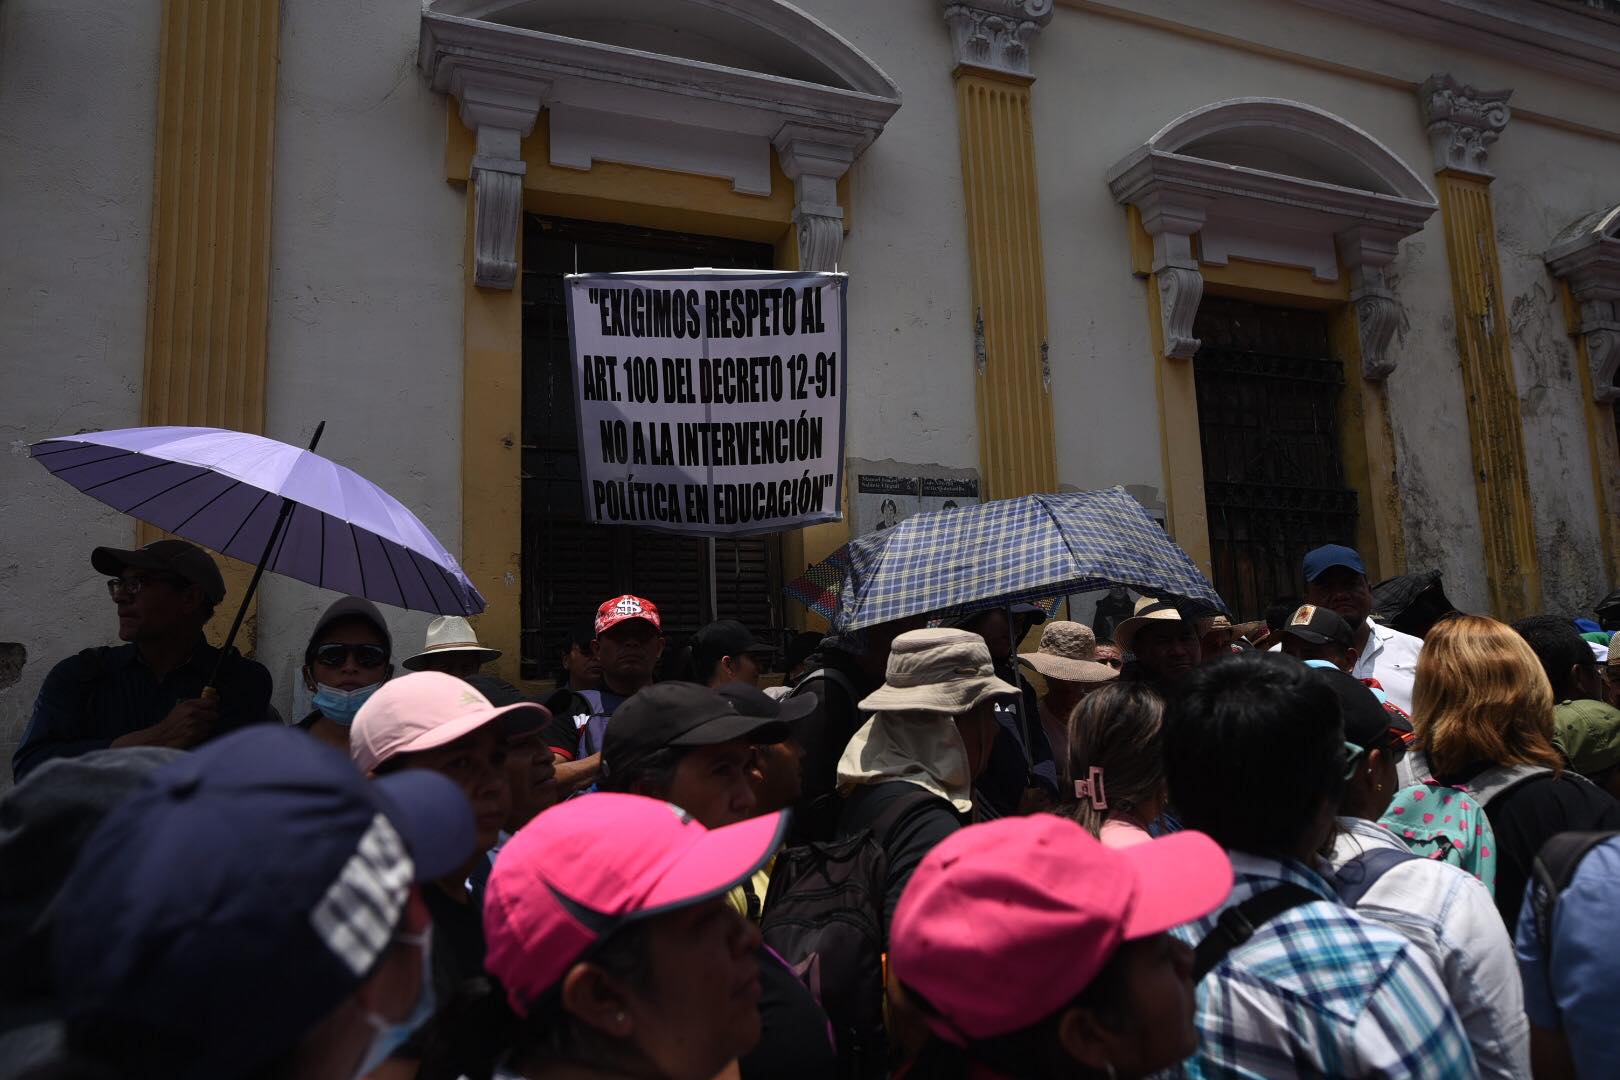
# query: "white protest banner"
{"type": "Point", "coordinates": [710, 402]}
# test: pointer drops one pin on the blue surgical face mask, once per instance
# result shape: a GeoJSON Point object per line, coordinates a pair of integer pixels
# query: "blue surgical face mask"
{"type": "Point", "coordinates": [339, 706]}
{"type": "Point", "coordinates": [392, 1035]}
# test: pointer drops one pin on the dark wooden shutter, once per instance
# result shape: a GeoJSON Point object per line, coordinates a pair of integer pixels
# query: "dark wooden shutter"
{"type": "Point", "coordinates": [570, 567]}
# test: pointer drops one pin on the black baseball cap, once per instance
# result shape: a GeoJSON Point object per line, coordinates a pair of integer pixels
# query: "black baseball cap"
{"type": "Point", "coordinates": [1319, 626]}
{"type": "Point", "coordinates": [724, 637]}
{"type": "Point", "coordinates": [185, 561]}
{"type": "Point", "coordinates": [1366, 722]}
{"type": "Point", "coordinates": [678, 714]}
{"type": "Point", "coordinates": [752, 701]}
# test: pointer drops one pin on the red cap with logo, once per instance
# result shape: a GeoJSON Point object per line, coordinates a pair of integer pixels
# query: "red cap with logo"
{"type": "Point", "coordinates": [621, 608]}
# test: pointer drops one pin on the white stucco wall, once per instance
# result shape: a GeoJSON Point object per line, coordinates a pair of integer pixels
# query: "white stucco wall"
{"type": "Point", "coordinates": [1105, 83]}
{"type": "Point", "coordinates": [78, 105]}
{"type": "Point", "coordinates": [910, 297]}
{"type": "Point", "coordinates": [366, 286]}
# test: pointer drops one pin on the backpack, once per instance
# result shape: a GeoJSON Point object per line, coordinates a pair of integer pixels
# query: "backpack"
{"type": "Point", "coordinates": [1355, 878]}
{"type": "Point", "coordinates": [1554, 868]}
{"type": "Point", "coordinates": [824, 916]}
{"type": "Point", "coordinates": [1448, 823]}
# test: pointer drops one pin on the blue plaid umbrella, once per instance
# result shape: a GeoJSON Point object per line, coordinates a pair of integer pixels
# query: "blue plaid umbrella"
{"type": "Point", "coordinates": [1010, 551]}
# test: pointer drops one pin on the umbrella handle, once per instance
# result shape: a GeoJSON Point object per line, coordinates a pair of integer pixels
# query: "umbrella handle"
{"type": "Point", "coordinates": [210, 692]}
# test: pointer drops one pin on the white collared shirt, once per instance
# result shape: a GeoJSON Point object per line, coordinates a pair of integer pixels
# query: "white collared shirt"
{"type": "Point", "coordinates": [1449, 914]}
{"type": "Point", "coordinates": [1391, 658]}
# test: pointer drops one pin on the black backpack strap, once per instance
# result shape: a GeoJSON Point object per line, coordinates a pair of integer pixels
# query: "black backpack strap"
{"type": "Point", "coordinates": [830, 675]}
{"type": "Point", "coordinates": [1356, 877]}
{"type": "Point", "coordinates": [1238, 924]}
{"type": "Point", "coordinates": [1554, 868]}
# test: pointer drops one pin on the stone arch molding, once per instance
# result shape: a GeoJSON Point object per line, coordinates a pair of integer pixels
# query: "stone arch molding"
{"type": "Point", "coordinates": [1278, 182]}
{"type": "Point", "coordinates": [1586, 256]}
{"type": "Point", "coordinates": [698, 86]}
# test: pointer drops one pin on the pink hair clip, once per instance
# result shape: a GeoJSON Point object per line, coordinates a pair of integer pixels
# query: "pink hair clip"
{"type": "Point", "coordinates": [1092, 788]}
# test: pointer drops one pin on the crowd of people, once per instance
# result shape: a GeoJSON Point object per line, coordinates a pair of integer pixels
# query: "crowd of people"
{"type": "Point", "coordinates": [1317, 846]}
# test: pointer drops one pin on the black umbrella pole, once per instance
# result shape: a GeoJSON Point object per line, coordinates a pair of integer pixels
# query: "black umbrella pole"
{"type": "Point", "coordinates": [211, 691]}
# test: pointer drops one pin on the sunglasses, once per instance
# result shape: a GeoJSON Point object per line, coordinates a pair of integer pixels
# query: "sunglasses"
{"type": "Point", "coordinates": [336, 653]}
{"type": "Point", "coordinates": [131, 587]}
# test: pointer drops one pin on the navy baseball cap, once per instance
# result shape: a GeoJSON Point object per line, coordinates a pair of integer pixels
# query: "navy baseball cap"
{"type": "Point", "coordinates": [216, 916]}
{"type": "Point", "coordinates": [1326, 557]}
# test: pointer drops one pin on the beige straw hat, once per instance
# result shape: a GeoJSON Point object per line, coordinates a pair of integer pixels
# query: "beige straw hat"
{"type": "Point", "coordinates": [1068, 653]}
{"type": "Point", "coordinates": [450, 633]}
{"type": "Point", "coordinates": [942, 670]}
{"type": "Point", "coordinates": [1148, 609]}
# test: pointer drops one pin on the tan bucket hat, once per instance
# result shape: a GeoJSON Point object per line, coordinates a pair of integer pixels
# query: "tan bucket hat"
{"type": "Point", "coordinates": [451, 633]}
{"type": "Point", "coordinates": [939, 670]}
{"type": "Point", "coordinates": [1148, 609]}
{"type": "Point", "coordinates": [1068, 653]}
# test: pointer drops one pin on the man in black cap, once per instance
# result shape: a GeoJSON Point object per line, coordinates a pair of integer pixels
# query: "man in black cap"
{"type": "Point", "coordinates": [686, 744]}
{"type": "Point", "coordinates": [150, 691]}
{"type": "Point", "coordinates": [1319, 633]}
{"type": "Point", "coordinates": [778, 766]}
{"type": "Point", "coordinates": [726, 652]}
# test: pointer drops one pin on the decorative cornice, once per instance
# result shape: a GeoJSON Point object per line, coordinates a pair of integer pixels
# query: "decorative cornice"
{"type": "Point", "coordinates": [501, 76]}
{"type": "Point", "coordinates": [1586, 256]}
{"type": "Point", "coordinates": [1462, 123]}
{"type": "Point", "coordinates": [1570, 40]}
{"type": "Point", "coordinates": [996, 34]}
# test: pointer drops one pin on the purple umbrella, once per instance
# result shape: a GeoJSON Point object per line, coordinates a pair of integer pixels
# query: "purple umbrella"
{"type": "Point", "coordinates": [229, 491]}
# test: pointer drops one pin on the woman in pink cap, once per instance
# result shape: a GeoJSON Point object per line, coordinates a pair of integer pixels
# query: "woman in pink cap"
{"type": "Point", "coordinates": [608, 926]}
{"type": "Point", "coordinates": [1070, 937]}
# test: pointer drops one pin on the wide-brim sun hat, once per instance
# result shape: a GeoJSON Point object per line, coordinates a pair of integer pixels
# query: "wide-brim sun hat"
{"type": "Point", "coordinates": [450, 634]}
{"type": "Point", "coordinates": [1036, 907]}
{"type": "Point", "coordinates": [938, 670]}
{"type": "Point", "coordinates": [1066, 654]}
{"type": "Point", "coordinates": [1148, 610]}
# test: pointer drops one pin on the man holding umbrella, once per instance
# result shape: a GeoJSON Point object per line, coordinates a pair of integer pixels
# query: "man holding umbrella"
{"type": "Point", "coordinates": [148, 692]}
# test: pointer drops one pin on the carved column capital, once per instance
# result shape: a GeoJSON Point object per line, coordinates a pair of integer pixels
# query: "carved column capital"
{"type": "Point", "coordinates": [815, 159]}
{"type": "Point", "coordinates": [1462, 123]}
{"type": "Point", "coordinates": [996, 34]}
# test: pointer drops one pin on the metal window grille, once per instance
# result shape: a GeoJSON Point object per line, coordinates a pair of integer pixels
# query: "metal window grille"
{"type": "Point", "coordinates": [1268, 417]}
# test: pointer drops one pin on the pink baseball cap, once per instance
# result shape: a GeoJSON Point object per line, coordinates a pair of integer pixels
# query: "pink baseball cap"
{"type": "Point", "coordinates": [587, 866]}
{"type": "Point", "coordinates": [1036, 906]}
{"type": "Point", "coordinates": [426, 709]}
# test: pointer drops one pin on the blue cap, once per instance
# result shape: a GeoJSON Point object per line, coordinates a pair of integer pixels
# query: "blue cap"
{"type": "Point", "coordinates": [1328, 556]}
{"type": "Point", "coordinates": [220, 913]}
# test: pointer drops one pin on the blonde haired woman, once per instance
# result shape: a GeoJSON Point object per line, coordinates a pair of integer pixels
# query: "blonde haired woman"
{"type": "Point", "coordinates": [1482, 710]}
{"type": "Point", "coordinates": [1116, 763]}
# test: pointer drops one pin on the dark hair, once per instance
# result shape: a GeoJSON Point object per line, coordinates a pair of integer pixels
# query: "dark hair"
{"type": "Point", "coordinates": [1559, 647]}
{"type": "Point", "coordinates": [1248, 724]}
{"type": "Point", "coordinates": [352, 617]}
{"type": "Point", "coordinates": [651, 775]}
{"type": "Point", "coordinates": [1035, 1051]}
{"type": "Point", "coordinates": [1280, 608]}
{"type": "Point", "coordinates": [580, 635]}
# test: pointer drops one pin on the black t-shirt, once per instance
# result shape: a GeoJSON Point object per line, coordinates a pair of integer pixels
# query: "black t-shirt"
{"type": "Point", "coordinates": [1525, 817]}
{"type": "Point", "coordinates": [796, 1041]}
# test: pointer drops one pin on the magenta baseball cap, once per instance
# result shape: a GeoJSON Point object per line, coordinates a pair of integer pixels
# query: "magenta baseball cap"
{"type": "Point", "coordinates": [588, 866]}
{"type": "Point", "coordinates": [428, 709]}
{"type": "Point", "coordinates": [1035, 906]}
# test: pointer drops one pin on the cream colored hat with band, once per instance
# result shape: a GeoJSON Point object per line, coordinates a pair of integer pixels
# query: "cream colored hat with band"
{"type": "Point", "coordinates": [941, 670]}
{"type": "Point", "coordinates": [1148, 609]}
{"type": "Point", "coordinates": [1068, 653]}
{"type": "Point", "coordinates": [450, 633]}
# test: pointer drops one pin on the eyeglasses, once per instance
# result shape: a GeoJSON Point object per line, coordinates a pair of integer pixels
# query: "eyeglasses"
{"type": "Point", "coordinates": [335, 653]}
{"type": "Point", "coordinates": [131, 587]}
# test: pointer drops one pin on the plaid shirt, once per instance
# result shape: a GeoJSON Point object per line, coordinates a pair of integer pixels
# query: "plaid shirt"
{"type": "Point", "coordinates": [1320, 992]}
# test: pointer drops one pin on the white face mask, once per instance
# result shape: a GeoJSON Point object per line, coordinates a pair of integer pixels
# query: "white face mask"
{"type": "Point", "coordinates": [391, 1035]}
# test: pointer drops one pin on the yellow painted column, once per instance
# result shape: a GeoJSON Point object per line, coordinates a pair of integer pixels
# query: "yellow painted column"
{"type": "Point", "coordinates": [209, 266]}
{"type": "Point", "coordinates": [1462, 123]}
{"type": "Point", "coordinates": [1017, 443]}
